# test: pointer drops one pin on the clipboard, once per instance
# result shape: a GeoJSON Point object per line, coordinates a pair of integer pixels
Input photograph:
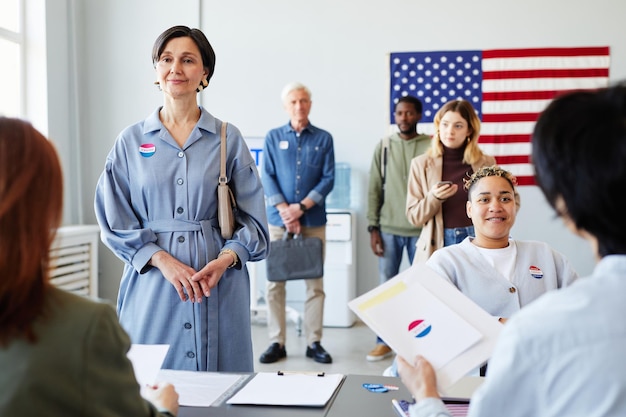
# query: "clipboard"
{"type": "Point", "coordinates": [444, 322]}
{"type": "Point", "coordinates": [286, 388]}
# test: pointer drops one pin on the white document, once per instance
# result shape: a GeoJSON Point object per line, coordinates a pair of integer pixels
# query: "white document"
{"type": "Point", "coordinates": [147, 361]}
{"type": "Point", "coordinates": [289, 389]}
{"type": "Point", "coordinates": [202, 389]}
{"type": "Point", "coordinates": [427, 328]}
{"type": "Point", "coordinates": [418, 312]}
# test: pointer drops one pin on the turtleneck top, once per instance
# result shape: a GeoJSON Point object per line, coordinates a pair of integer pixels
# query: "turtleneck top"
{"type": "Point", "coordinates": [455, 170]}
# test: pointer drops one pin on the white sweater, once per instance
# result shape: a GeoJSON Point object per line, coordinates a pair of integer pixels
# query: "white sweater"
{"type": "Point", "coordinates": [538, 269]}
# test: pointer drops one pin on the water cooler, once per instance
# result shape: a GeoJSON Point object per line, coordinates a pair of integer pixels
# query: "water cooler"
{"type": "Point", "coordinates": [339, 268]}
{"type": "Point", "coordinates": [340, 262]}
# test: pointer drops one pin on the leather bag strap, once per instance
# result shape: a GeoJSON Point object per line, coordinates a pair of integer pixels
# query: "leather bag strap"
{"type": "Point", "coordinates": [222, 179]}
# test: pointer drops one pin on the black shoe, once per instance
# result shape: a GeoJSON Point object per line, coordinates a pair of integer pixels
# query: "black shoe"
{"type": "Point", "coordinates": [273, 353]}
{"type": "Point", "coordinates": [317, 352]}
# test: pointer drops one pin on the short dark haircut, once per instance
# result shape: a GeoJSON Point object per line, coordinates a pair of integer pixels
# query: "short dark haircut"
{"type": "Point", "coordinates": [579, 154]}
{"type": "Point", "coordinates": [206, 50]}
{"type": "Point", "coordinates": [412, 100]}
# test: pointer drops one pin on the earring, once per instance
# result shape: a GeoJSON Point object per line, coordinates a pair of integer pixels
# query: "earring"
{"type": "Point", "coordinates": [203, 84]}
{"type": "Point", "coordinates": [468, 139]}
{"type": "Point", "coordinates": [158, 84]}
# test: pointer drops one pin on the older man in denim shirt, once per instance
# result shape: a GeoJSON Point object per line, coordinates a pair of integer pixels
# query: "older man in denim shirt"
{"type": "Point", "coordinates": [298, 172]}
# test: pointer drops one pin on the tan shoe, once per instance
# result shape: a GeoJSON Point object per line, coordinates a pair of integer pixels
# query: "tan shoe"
{"type": "Point", "coordinates": [379, 353]}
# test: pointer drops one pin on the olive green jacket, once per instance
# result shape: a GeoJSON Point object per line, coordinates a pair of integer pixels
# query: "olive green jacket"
{"type": "Point", "coordinates": [77, 367]}
{"type": "Point", "coordinates": [387, 211]}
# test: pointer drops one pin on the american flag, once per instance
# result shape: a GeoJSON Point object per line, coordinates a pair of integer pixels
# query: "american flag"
{"type": "Point", "coordinates": [507, 87]}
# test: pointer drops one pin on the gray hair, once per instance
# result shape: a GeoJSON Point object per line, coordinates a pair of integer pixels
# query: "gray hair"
{"type": "Point", "coordinates": [294, 86]}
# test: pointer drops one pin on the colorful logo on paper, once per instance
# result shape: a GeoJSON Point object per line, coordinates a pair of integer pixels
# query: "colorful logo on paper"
{"type": "Point", "coordinates": [147, 150]}
{"type": "Point", "coordinates": [419, 328]}
{"type": "Point", "coordinates": [535, 272]}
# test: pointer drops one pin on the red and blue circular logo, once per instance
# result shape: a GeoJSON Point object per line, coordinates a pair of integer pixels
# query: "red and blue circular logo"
{"type": "Point", "coordinates": [535, 272]}
{"type": "Point", "coordinates": [147, 150]}
{"type": "Point", "coordinates": [419, 328]}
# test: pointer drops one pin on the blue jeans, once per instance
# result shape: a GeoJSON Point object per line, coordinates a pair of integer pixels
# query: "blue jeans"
{"type": "Point", "coordinates": [457, 235]}
{"type": "Point", "coordinates": [389, 264]}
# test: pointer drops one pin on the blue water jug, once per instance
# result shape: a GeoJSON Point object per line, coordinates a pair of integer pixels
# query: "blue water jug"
{"type": "Point", "coordinates": [339, 197]}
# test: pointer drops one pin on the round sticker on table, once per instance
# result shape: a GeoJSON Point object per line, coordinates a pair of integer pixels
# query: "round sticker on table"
{"type": "Point", "coordinates": [375, 387]}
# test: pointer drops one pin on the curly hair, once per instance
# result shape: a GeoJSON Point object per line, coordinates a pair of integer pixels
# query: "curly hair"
{"type": "Point", "coordinates": [491, 171]}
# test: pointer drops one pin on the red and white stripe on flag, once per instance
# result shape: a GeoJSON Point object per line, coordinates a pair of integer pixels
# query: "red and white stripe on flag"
{"type": "Point", "coordinates": [518, 84]}
{"type": "Point", "coordinates": [508, 88]}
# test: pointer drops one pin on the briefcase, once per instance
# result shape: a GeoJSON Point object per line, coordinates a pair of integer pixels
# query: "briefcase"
{"type": "Point", "coordinates": [295, 258]}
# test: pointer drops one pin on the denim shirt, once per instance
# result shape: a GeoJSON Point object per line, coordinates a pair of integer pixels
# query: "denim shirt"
{"type": "Point", "coordinates": [295, 166]}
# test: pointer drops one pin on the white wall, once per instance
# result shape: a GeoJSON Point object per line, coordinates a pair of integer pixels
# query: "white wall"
{"type": "Point", "coordinates": [338, 48]}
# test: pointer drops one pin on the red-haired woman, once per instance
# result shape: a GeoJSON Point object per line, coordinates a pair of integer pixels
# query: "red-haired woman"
{"type": "Point", "coordinates": [60, 354]}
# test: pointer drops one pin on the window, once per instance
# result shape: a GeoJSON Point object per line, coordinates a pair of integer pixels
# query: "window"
{"type": "Point", "coordinates": [12, 53]}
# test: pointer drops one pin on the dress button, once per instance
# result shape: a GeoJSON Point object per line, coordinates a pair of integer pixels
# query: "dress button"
{"type": "Point", "coordinates": [181, 154]}
{"type": "Point", "coordinates": [179, 210]}
{"type": "Point", "coordinates": [187, 325]}
{"type": "Point", "coordinates": [181, 239]}
{"type": "Point", "coordinates": [512, 290]}
{"type": "Point", "coordinates": [180, 181]}
{"type": "Point", "coordinates": [191, 355]}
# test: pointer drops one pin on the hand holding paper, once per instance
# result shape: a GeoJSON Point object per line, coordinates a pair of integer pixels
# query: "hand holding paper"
{"type": "Point", "coordinates": [419, 313]}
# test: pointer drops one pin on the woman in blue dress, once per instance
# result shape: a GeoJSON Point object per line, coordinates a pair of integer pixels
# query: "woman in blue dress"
{"type": "Point", "coordinates": [156, 204]}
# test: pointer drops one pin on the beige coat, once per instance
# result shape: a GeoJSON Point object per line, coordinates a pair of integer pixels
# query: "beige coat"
{"type": "Point", "coordinates": [422, 208]}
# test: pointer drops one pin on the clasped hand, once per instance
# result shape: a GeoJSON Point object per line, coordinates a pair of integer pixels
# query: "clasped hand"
{"type": "Point", "coordinates": [290, 216]}
{"type": "Point", "coordinates": [191, 285]}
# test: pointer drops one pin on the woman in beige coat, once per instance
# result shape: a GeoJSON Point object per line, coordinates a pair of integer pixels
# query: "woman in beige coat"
{"type": "Point", "coordinates": [436, 197]}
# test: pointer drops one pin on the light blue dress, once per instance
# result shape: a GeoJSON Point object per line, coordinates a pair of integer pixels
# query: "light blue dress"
{"type": "Point", "coordinates": [155, 195]}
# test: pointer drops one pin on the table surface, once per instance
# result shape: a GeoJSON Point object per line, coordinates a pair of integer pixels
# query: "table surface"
{"type": "Point", "coordinates": [351, 399]}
